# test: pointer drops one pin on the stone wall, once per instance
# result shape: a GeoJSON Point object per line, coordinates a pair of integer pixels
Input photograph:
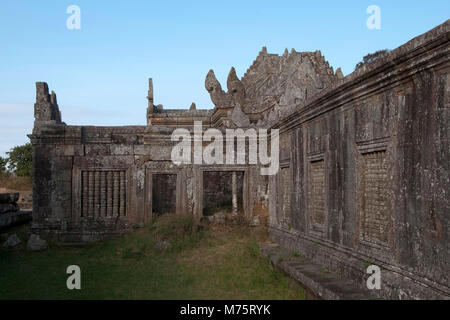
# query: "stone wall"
{"type": "Point", "coordinates": [369, 165]}
{"type": "Point", "coordinates": [364, 164]}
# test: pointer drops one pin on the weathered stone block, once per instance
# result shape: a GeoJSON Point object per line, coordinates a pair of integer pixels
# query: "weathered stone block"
{"type": "Point", "coordinates": [9, 197]}
{"type": "Point", "coordinates": [35, 243]}
{"type": "Point", "coordinates": [12, 241]}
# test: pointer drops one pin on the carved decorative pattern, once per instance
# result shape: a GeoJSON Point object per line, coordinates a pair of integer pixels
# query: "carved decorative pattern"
{"type": "Point", "coordinates": [375, 219]}
{"type": "Point", "coordinates": [286, 192]}
{"type": "Point", "coordinates": [317, 194]}
{"type": "Point", "coordinates": [103, 193]}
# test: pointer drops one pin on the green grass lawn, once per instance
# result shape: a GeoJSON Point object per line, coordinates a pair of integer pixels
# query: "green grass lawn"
{"type": "Point", "coordinates": [214, 263]}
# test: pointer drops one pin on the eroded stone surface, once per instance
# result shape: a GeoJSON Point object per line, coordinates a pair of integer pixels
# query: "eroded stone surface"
{"type": "Point", "coordinates": [35, 243]}
{"type": "Point", "coordinates": [12, 241]}
{"type": "Point", "coordinates": [364, 163]}
{"type": "Point", "coordinates": [9, 211]}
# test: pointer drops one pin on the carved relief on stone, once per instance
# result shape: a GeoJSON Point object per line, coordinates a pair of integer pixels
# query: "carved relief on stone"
{"type": "Point", "coordinates": [273, 86]}
{"type": "Point", "coordinates": [141, 160]}
{"type": "Point", "coordinates": [375, 218]}
{"type": "Point", "coordinates": [287, 79]}
{"type": "Point", "coordinates": [285, 187]}
{"type": "Point", "coordinates": [317, 193]}
{"type": "Point", "coordinates": [238, 117]}
{"type": "Point", "coordinates": [218, 96]}
{"type": "Point", "coordinates": [235, 88]}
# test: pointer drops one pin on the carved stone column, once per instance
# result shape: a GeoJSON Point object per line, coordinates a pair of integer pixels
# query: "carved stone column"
{"type": "Point", "coordinates": [109, 193]}
{"type": "Point", "coordinates": [103, 196]}
{"type": "Point", "coordinates": [91, 193]}
{"type": "Point", "coordinates": [116, 186]}
{"type": "Point", "coordinates": [234, 191]}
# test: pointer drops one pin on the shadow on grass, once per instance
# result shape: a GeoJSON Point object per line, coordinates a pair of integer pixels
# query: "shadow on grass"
{"type": "Point", "coordinates": [195, 262]}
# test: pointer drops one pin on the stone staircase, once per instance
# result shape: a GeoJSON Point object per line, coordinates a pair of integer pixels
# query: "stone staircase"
{"type": "Point", "coordinates": [318, 282]}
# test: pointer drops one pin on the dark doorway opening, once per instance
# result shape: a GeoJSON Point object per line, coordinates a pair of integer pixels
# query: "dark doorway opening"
{"type": "Point", "coordinates": [164, 193]}
{"type": "Point", "coordinates": [218, 191]}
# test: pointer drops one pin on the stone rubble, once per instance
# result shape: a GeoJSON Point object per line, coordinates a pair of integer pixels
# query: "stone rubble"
{"type": "Point", "coordinates": [12, 241]}
{"type": "Point", "coordinates": [10, 213]}
{"type": "Point", "coordinates": [35, 243]}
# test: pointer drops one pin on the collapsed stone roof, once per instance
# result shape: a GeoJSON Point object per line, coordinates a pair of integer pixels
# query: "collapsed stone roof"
{"type": "Point", "coordinates": [272, 83]}
{"type": "Point", "coordinates": [286, 79]}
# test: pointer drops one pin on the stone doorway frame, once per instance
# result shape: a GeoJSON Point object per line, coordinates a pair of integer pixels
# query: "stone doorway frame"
{"type": "Point", "coordinates": [148, 198]}
{"type": "Point", "coordinates": [198, 206]}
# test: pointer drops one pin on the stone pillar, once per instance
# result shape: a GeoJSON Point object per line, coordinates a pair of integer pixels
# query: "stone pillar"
{"type": "Point", "coordinates": [85, 195]}
{"type": "Point", "coordinates": [103, 195]}
{"type": "Point", "coordinates": [97, 193]}
{"type": "Point", "coordinates": [234, 193]}
{"type": "Point", "coordinates": [91, 193]}
{"type": "Point", "coordinates": [109, 193]}
{"type": "Point", "coordinates": [122, 194]}
{"type": "Point", "coordinates": [46, 110]}
{"type": "Point", "coordinates": [116, 186]}
{"type": "Point", "coordinates": [150, 101]}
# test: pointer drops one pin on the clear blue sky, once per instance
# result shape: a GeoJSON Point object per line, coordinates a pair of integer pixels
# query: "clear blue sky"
{"type": "Point", "coordinates": [100, 72]}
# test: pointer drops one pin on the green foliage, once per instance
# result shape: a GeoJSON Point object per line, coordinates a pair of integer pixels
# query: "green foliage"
{"type": "Point", "coordinates": [20, 160]}
{"type": "Point", "coordinates": [371, 57]}
{"type": "Point", "coordinates": [3, 162]}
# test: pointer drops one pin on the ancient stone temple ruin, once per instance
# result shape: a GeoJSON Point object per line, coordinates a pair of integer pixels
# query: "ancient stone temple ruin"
{"type": "Point", "coordinates": [364, 164]}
